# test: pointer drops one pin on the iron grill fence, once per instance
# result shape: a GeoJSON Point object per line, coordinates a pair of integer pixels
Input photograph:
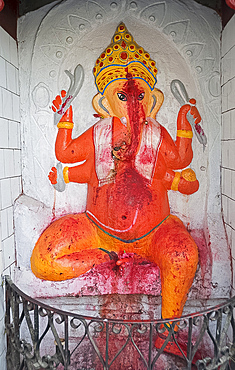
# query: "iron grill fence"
{"type": "Point", "coordinates": [43, 337]}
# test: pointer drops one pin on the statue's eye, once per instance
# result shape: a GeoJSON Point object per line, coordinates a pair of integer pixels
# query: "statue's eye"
{"type": "Point", "coordinates": [141, 96]}
{"type": "Point", "coordinates": [122, 96]}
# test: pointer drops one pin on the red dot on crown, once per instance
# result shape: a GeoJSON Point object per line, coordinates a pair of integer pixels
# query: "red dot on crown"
{"type": "Point", "coordinates": [124, 55]}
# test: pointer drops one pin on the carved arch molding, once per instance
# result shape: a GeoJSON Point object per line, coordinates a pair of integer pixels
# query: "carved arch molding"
{"type": "Point", "coordinates": [185, 24]}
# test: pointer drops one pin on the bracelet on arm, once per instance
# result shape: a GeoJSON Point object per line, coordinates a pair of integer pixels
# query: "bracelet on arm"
{"type": "Point", "coordinates": [68, 125]}
{"type": "Point", "coordinates": [175, 182]}
{"type": "Point", "coordinates": [185, 133]}
{"type": "Point", "coordinates": [66, 174]}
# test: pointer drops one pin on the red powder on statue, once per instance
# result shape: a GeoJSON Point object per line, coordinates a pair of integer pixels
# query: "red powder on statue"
{"type": "Point", "coordinates": [131, 188]}
{"type": "Point", "coordinates": [135, 113]}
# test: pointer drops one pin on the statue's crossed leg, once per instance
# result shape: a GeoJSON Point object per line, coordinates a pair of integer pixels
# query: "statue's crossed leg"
{"type": "Point", "coordinates": [70, 246]}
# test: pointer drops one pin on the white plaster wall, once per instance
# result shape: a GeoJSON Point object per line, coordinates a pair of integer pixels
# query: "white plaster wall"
{"type": "Point", "coordinates": [228, 135]}
{"type": "Point", "coordinates": [10, 165]}
{"type": "Point", "coordinates": [184, 38]}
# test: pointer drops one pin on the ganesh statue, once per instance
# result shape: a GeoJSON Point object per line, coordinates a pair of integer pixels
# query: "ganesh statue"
{"type": "Point", "coordinates": [129, 162]}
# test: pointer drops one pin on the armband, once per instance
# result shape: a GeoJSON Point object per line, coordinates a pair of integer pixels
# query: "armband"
{"type": "Point", "coordinates": [68, 125]}
{"type": "Point", "coordinates": [185, 133]}
{"type": "Point", "coordinates": [66, 175]}
{"type": "Point", "coordinates": [175, 182]}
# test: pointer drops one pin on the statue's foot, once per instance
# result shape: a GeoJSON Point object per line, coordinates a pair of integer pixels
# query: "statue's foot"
{"type": "Point", "coordinates": [122, 259]}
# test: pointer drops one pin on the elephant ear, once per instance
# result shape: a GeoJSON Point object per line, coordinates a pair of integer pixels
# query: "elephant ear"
{"type": "Point", "coordinates": [101, 105]}
{"type": "Point", "coordinates": [156, 103]}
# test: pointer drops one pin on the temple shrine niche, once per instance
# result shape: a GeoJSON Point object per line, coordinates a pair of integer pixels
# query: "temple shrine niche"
{"type": "Point", "coordinates": [138, 153]}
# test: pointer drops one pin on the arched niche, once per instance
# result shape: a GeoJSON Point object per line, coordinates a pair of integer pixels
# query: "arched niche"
{"type": "Point", "coordinates": [183, 39]}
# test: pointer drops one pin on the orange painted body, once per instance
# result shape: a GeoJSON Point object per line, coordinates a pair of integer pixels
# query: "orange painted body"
{"type": "Point", "coordinates": [131, 212]}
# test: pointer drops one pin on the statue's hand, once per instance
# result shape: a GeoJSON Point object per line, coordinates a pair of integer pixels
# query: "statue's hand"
{"type": "Point", "coordinates": [188, 182]}
{"type": "Point", "coordinates": [123, 259]}
{"type": "Point", "coordinates": [59, 107]}
{"type": "Point", "coordinates": [53, 176]}
{"type": "Point", "coordinates": [188, 115]}
{"type": "Point", "coordinates": [194, 111]}
{"type": "Point", "coordinates": [56, 177]}
{"type": "Point", "coordinates": [190, 109]}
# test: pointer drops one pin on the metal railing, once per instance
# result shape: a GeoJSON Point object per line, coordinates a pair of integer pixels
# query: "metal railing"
{"type": "Point", "coordinates": [43, 337]}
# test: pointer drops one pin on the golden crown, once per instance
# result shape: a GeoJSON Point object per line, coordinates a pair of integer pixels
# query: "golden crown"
{"type": "Point", "coordinates": [124, 56]}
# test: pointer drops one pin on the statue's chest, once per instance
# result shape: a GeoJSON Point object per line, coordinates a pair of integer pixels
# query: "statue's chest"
{"type": "Point", "coordinates": [145, 159]}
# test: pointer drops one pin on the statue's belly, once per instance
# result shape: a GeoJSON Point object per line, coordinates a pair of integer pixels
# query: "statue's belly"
{"type": "Point", "coordinates": [128, 212]}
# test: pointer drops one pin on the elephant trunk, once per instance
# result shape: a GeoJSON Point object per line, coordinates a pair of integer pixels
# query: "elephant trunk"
{"type": "Point", "coordinates": [136, 116]}
{"type": "Point", "coordinates": [131, 188]}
